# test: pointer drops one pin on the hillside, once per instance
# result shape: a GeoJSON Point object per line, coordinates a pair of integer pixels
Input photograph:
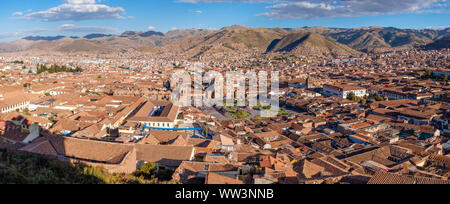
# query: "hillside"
{"type": "Point", "coordinates": [443, 43]}
{"type": "Point", "coordinates": [83, 45]}
{"type": "Point", "coordinates": [235, 40]}
{"type": "Point", "coordinates": [374, 38]}
{"type": "Point", "coordinates": [25, 168]}
{"type": "Point", "coordinates": [310, 44]}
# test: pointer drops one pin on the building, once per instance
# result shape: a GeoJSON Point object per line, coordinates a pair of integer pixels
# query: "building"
{"type": "Point", "coordinates": [344, 90]}
{"type": "Point", "coordinates": [114, 157]}
{"type": "Point", "coordinates": [11, 102]}
{"type": "Point", "coordinates": [20, 130]}
{"type": "Point", "coordinates": [156, 114]}
{"type": "Point", "coordinates": [165, 157]}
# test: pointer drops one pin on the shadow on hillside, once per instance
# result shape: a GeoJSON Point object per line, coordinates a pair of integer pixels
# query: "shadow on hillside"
{"type": "Point", "coordinates": [25, 168]}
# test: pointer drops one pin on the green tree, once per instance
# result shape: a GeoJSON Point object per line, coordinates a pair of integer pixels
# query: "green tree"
{"type": "Point", "coordinates": [351, 96]}
{"type": "Point", "coordinates": [147, 170]}
{"type": "Point", "coordinates": [379, 98]}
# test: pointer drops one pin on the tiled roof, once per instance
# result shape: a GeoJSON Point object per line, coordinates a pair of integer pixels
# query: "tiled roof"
{"type": "Point", "coordinates": [382, 177]}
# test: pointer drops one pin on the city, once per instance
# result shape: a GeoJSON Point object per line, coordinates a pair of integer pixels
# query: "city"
{"type": "Point", "coordinates": [363, 105]}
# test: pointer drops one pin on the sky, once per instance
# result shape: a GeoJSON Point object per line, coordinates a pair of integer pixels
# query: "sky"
{"type": "Point", "coordinates": [20, 18]}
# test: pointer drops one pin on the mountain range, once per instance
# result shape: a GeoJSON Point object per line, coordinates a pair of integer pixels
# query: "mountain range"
{"type": "Point", "coordinates": [239, 39]}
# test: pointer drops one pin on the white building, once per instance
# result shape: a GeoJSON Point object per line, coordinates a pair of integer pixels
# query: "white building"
{"type": "Point", "coordinates": [13, 102]}
{"type": "Point", "coordinates": [344, 90]}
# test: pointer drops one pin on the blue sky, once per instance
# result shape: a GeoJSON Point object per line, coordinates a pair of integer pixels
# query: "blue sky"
{"type": "Point", "coordinates": [21, 18]}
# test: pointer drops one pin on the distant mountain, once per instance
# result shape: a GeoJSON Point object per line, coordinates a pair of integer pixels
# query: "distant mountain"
{"type": "Point", "coordinates": [308, 43]}
{"type": "Point", "coordinates": [128, 34]}
{"type": "Point", "coordinates": [375, 39]}
{"type": "Point", "coordinates": [96, 35]}
{"type": "Point", "coordinates": [239, 39]}
{"type": "Point", "coordinates": [443, 43]}
{"type": "Point", "coordinates": [140, 34]}
{"type": "Point", "coordinates": [45, 38]}
{"type": "Point", "coordinates": [150, 33]}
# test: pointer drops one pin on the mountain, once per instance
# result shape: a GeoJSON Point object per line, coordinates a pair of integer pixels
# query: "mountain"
{"type": "Point", "coordinates": [378, 39]}
{"type": "Point", "coordinates": [150, 49]}
{"type": "Point", "coordinates": [443, 43]}
{"type": "Point", "coordinates": [140, 34]}
{"type": "Point", "coordinates": [238, 39]}
{"type": "Point", "coordinates": [45, 38]}
{"type": "Point", "coordinates": [96, 35]}
{"type": "Point", "coordinates": [150, 33]}
{"type": "Point", "coordinates": [374, 39]}
{"type": "Point", "coordinates": [231, 40]}
{"type": "Point", "coordinates": [310, 44]}
{"type": "Point", "coordinates": [16, 46]}
{"type": "Point", "coordinates": [84, 45]}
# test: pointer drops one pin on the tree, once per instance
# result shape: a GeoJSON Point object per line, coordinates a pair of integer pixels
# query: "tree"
{"type": "Point", "coordinates": [379, 98]}
{"type": "Point", "coordinates": [363, 101]}
{"type": "Point", "coordinates": [146, 170]}
{"type": "Point", "coordinates": [351, 96]}
{"type": "Point", "coordinates": [27, 111]}
{"type": "Point", "coordinates": [445, 78]}
{"type": "Point", "coordinates": [205, 129]}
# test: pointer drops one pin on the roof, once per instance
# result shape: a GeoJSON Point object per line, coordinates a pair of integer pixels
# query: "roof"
{"type": "Point", "coordinates": [87, 150]}
{"type": "Point", "coordinates": [168, 113]}
{"type": "Point", "coordinates": [215, 178]}
{"type": "Point", "coordinates": [226, 140]}
{"type": "Point", "coordinates": [382, 177]}
{"type": "Point", "coordinates": [166, 155]}
{"type": "Point", "coordinates": [164, 136]}
{"type": "Point", "coordinates": [344, 87]}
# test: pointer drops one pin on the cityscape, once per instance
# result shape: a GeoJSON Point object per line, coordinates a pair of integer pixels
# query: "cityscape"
{"type": "Point", "coordinates": [284, 94]}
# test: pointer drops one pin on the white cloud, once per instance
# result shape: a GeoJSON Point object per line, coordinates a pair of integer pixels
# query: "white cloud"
{"type": "Point", "coordinates": [18, 13]}
{"type": "Point", "coordinates": [76, 10]}
{"type": "Point", "coordinates": [151, 28]}
{"type": "Point", "coordinates": [309, 9]}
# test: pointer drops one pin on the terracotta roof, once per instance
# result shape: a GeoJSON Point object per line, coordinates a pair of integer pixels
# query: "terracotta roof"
{"type": "Point", "coordinates": [168, 114]}
{"type": "Point", "coordinates": [84, 150]}
{"type": "Point", "coordinates": [215, 178]}
{"type": "Point", "coordinates": [382, 177]}
{"type": "Point", "coordinates": [167, 155]}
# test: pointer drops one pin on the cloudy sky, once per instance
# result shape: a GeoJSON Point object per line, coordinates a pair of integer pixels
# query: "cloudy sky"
{"type": "Point", "coordinates": [21, 18]}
